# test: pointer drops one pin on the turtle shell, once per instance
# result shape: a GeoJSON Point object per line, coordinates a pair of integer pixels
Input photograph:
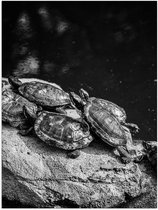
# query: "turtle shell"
{"type": "Point", "coordinates": [114, 109]}
{"type": "Point", "coordinates": [105, 125]}
{"type": "Point", "coordinates": [44, 94]}
{"type": "Point", "coordinates": [62, 131]}
{"type": "Point", "coordinates": [12, 108]}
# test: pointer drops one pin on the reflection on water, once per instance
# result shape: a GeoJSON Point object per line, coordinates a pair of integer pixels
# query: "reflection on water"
{"type": "Point", "coordinates": [45, 18]}
{"type": "Point", "coordinates": [62, 26]}
{"type": "Point", "coordinates": [23, 29]}
{"type": "Point", "coordinates": [108, 49]}
{"type": "Point", "coordinates": [26, 60]}
{"type": "Point", "coordinates": [29, 65]}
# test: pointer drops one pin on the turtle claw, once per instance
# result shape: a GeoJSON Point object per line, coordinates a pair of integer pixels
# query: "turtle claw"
{"type": "Point", "coordinates": [133, 127]}
{"type": "Point", "coordinates": [74, 154]}
{"type": "Point", "coordinates": [25, 132]}
{"type": "Point", "coordinates": [139, 159]}
{"type": "Point", "coordinates": [22, 132]}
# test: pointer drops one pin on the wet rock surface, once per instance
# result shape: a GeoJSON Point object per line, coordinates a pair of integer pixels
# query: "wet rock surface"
{"type": "Point", "coordinates": [38, 175]}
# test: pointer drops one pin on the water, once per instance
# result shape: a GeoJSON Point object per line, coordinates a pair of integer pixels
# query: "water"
{"type": "Point", "coordinates": [107, 48]}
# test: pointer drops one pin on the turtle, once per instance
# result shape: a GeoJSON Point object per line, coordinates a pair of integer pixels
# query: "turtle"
{"type": "Point", "coordinates": [151, 152]}
{"type": "Point", "coordinates": [106, 125]}
{"type": "Point", "coordinates": [113, 108]}
{"type": "Point", "coordinates": [43, 94]}
{"type": "Point", "coordinates": [12, 109]}
{"type": "Point", "coordinates": [59, 130]}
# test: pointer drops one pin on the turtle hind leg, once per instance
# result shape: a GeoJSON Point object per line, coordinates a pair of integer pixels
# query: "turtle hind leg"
{"type": "Point", "coordinates": [25, 132]}
{"type": "Point", "coordinates": [130, 156]}
{"type": "Point", "coordinates": [124, 155]}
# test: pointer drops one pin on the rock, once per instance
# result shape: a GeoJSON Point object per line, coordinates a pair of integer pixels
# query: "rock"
{"type": "Point", "coordinates": [38, 175]}
{"type": "Point", "coordinates": [148, 199]}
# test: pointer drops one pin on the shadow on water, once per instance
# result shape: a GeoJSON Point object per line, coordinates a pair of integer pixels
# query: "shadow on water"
{"type": "Point", "coordinates": [107, 48]}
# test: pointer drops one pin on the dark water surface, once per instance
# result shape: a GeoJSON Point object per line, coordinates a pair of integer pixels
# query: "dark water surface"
{"type": "Point", "coordinates": [107, 48]}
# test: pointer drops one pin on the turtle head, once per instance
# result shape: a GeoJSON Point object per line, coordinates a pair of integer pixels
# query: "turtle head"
{"type": "Point", "coordinates": [31, 112]}
{"type": "Point", "coordinates": [15, 82]}
{"type": "Point", "coordinates": [76, 101]}
{"type": "Point", "coordinates": [84, 94]}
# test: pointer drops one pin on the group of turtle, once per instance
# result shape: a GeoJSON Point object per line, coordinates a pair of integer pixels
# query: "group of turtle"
{"type": "Point", "coordinates": [40, 107]}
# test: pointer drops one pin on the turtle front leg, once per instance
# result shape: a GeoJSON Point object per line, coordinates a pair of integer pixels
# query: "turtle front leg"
{"type": "Point", "coordinates": [133, 127]}
{"type": "Point", "coordinates": [15, 82]}
{"type": "Point", "coordinates": [61, 110]}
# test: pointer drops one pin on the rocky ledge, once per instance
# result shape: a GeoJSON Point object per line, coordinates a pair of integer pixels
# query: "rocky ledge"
{"type": "Point", "coordinates": [38, 175]}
